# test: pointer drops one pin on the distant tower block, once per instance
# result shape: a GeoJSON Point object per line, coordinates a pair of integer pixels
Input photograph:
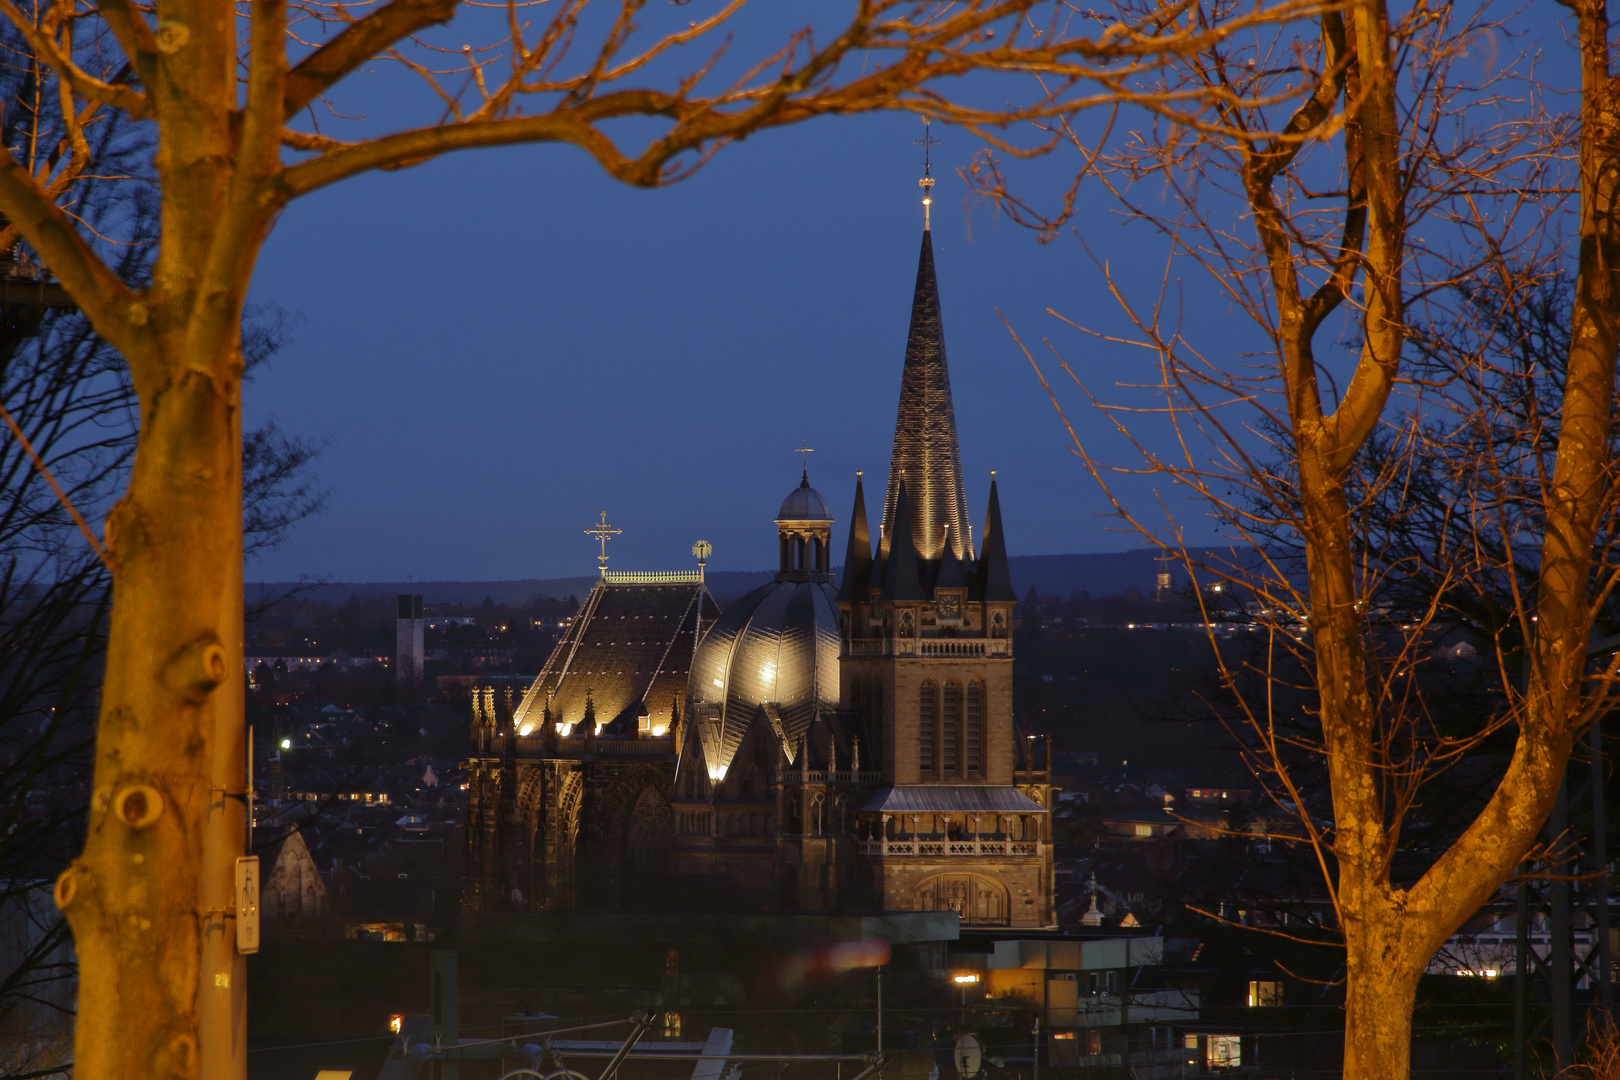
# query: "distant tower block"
{"type": "Point", "coordinates": [410, 637]}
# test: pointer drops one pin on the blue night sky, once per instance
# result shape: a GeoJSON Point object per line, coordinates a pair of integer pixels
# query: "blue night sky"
{"type": "Point", "coordinates": [497, 345]}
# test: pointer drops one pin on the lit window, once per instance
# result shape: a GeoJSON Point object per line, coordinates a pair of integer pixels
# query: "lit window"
{"type": "Point", "coordinates": [1265, 994]}
{"type": "Point", "coordinates": [1224, 1052]}
{"type": "Point", "coordinates": [1144, 830]}
{"type": "Point", "coordinates": [672, 1025]}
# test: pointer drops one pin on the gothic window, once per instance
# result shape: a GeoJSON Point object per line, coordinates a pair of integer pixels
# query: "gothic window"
{"type": "Point", "coordinates": [974, 735]}
{"type": "Point", "coordinates": [925, 728]}
{"type": "Point", "coordinates": [952, 726]}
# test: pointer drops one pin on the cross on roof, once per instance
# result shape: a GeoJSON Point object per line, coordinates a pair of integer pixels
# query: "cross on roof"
{"type": "Point", "coordinates": [804, 451]}
{"type": "Point", "coordinates": [927, 142]}
{"type": "Point", "coordinates": [603, 532]}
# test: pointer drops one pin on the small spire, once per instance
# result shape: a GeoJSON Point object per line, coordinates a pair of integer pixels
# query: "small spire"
{"type": "Point", "coordinates": [804, 452]}
{"type": "Point", "coordinates": [858, 558]}
{"type": "Point", "coordinates": [928, 142]}
{"type": "Point", "coordinates": [901, 576]}
{"type": "Point", "coordinates": [995, 580]}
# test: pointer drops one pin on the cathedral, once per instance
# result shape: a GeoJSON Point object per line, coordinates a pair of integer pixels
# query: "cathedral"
{"type": "Point", "coordinates": [822, 745]}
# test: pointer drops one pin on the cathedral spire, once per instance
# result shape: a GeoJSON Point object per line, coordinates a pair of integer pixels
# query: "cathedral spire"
{"type": "Point", "coordinates": [925, 432]}
{"type": "Point", "coordinates": [858, 556]}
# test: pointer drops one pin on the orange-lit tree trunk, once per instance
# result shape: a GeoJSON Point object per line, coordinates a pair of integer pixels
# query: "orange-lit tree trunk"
{"type": "Point", "coordinates": [1391, 932]}
{"type": "Point", "coordinates": [150, 901]}
{"type": "Point", "coordinates": [1306, 272]}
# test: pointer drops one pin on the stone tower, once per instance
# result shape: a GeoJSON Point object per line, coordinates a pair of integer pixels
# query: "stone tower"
{"type": "Point", "coordinates": [926, 659]}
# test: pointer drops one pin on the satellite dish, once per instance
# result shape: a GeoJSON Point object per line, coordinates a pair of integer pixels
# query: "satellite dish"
{"type": "Point", "coordinates": [969, 1056]}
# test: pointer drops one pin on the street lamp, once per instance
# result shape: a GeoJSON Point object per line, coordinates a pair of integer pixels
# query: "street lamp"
{"type": "Point", "coordinates": [965, 980]}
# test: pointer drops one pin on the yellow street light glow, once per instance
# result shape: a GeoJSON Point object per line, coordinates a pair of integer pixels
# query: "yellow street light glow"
{"type": "Point", "coordinates": [394, 1023]}
{"type": "Point", "coordinates": [286, 744]}
{"type": "Point", "coordinates": [965, 978]}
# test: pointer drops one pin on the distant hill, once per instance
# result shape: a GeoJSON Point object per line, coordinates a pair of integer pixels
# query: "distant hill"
{"type": "Point", "coordinates": [1100, 574]}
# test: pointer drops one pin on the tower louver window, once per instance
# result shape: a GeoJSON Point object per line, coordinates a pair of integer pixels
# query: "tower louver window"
{"type": "Point", "coordinates": [975, 712]}
{"type": "Point", "coordinates": [952, 725]}
{"type": "Point", "coordinates": [925, 728]}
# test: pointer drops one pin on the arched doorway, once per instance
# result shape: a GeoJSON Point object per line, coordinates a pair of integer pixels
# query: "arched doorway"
{"type": "Point", "coordinates": [977, 899]}
{"type": "Point", "coordinates": [648, 836]}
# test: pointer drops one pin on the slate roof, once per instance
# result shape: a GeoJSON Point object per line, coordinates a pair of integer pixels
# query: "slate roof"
{"type": "Point", "coordinates": [630, 647]}
{"type": "Point", "coordinates": [949, 798]}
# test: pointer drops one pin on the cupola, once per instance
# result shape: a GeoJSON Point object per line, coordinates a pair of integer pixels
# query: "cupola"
{"type": "Point", "coordinates": [804, 533]}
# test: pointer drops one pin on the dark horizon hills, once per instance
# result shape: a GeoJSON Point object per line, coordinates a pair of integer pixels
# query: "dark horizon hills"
{"type": "Point", "coordinates": [1100, 574]}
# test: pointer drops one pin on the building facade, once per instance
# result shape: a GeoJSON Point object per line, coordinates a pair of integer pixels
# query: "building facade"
{"type": "Point", "coordinates": [821, 745]}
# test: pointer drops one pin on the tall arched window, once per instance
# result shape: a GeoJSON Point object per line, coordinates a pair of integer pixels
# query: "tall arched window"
{"type": "Point", "coordinates": [925, 728]}
{"type": "Point", "coordinates": [951, 734]}
{"type": "Point", "coordinates": [973, 741]}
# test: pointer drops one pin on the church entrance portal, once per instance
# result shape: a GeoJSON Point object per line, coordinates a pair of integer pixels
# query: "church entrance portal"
{"type": "Point", "coordinates": [978, 900]}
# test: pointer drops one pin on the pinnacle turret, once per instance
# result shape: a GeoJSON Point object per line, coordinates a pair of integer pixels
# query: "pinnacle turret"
{"type": "Point", "coordinates": [995, 579]}
{"type": "Point", "coordinates": [858, 556]}
{"type": "Point", "coordinates": [902, 579]}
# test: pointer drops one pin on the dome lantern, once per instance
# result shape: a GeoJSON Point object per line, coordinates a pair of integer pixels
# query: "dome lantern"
{"type": "Point", "coordinates": [804, 533]}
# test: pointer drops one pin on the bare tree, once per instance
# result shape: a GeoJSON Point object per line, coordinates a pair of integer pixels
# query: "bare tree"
{"type": "Point", "coordinates": [230, 97]}
{"type": "Point", "coordinates": [1377, 236]}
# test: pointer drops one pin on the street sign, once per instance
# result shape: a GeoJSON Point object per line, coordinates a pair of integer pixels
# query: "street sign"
{"type": "Point", "coordinates": [969, 1056]}
{"type": "Point", "coordinates": [247, 904]}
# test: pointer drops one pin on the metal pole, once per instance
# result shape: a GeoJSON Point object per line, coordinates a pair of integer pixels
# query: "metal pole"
{"type": "Point", "coordinates": [880, 1009]}
{"type": "Point", "coordinates": [1600, 864]}
{"type": "Point", "coordinates": [1035, 1062]}
{"type": "Point", "coordinates": [222, 989]}
{"type": "Point", "coordinates": [1521, 978]}
{"type": "Point", "coordinates": [1560, 965]}
{"type": "Point", "coordinates": [642, 1020]}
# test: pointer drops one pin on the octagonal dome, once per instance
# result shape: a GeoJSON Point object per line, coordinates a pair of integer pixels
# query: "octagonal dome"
{"type": "Point", "coordinates": [779, 646]}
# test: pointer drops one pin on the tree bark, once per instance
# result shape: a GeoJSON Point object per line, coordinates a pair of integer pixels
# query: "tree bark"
{"type": "Point", "coordinates": [1380, 991]}
{"type": "Point", "coordinates": [137, 899]}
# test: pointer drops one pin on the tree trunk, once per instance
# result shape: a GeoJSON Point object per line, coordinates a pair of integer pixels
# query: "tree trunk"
{"type": "Point", "coordinates": [142, 899]}
{"type": "Point", "coordinates": [1379, 995]}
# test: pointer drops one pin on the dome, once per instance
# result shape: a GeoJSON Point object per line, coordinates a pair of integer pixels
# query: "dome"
{"type": "Point", "coordinates": [804, 503]}
{"type": "Point", "coordinates": [779, 646]}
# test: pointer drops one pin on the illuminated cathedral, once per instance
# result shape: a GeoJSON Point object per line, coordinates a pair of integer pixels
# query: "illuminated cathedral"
{"type": "Point", "coordinates": [820, 745]}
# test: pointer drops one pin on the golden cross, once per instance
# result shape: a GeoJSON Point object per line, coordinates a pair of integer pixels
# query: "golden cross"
{"type": "Point", "coordinates": [603, 532]}
{"type": "Point", "coordinates": [804, 452]}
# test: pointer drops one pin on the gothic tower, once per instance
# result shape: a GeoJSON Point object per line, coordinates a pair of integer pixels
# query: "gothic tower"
{"type": "Point", "coordinates": [961, 821]}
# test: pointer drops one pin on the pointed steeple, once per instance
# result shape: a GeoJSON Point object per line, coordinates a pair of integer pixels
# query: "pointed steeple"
{"type": "Point", "coordinates": [995, 580]}
{"type": "Point", "coordinates": [950, 574]}
{"type": "Point", "coordinates": [900, 576]}
{"type": "Point", "coordinates": [858, 557]}
{"type": "Point", "coordinates": [925, 448]}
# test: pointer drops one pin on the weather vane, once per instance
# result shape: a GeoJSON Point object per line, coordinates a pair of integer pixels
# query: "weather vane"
{"type": "Point", "coordinates": [804, 452]}
{"type": "Point", "coordinates": [603, 532]}
{"type": "Point", "coordinates": [927, 142]}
